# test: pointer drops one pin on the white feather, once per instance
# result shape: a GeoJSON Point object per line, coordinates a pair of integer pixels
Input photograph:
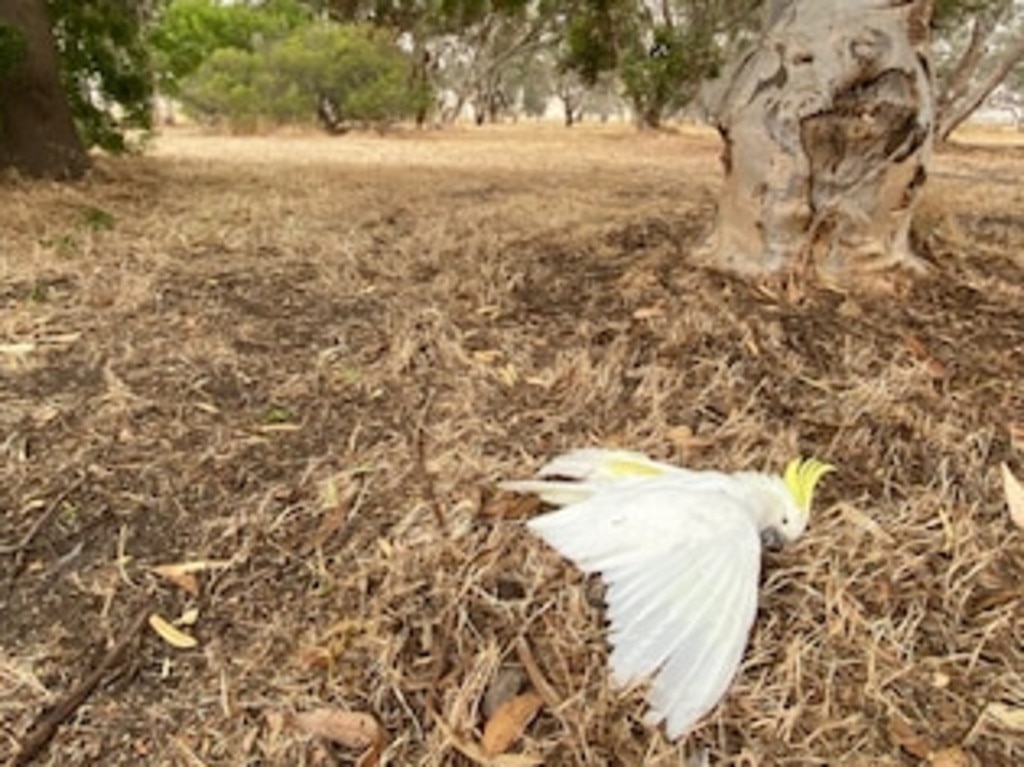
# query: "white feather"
{"type": "Point", "coordinates": [554, 492]}
{"type": "Point", "coordinates": [680, 554]}
{"type": "Point", "coordinates": [590, 463]}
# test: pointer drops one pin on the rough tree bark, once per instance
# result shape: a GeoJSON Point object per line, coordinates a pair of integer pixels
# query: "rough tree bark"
{"type": "Point", "coordinates": [828, 129]}
{"type": "Point", "coordinates": [37, 131]}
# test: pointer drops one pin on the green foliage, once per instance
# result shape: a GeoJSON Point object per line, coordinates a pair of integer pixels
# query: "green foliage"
{"type": "Point", "coordinates": [356, 70]}
{"type": "Point", "coordinates": [105, 68]}
{"type": "Point", "coordinates": [663, 77]}
{"type": "Point", "coordinates": [188, 32]}
{"type": "Point", "coordinates": [594, 36]}
{"type": "Point", "coordinates": [13, 48]}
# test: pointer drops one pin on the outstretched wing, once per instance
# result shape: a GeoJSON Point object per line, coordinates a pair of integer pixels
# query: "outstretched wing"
{"type": "Point", "coordinates": [681, 561]}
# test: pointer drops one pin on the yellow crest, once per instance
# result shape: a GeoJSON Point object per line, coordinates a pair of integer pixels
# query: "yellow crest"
{"type": "Point", "coordinates": [801, 476]}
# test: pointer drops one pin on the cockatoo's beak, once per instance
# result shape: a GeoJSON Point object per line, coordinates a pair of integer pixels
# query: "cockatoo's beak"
{"type": "Point", "coordinates": [772, 539]}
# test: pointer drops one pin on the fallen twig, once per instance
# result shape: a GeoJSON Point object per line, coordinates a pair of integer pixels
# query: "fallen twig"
{"type": "Point", "coordinates": [47, 724]}
{"type": "Point", "coordinates": [426, 478]}
{"type": "Point", "coordinates": [26, 540]}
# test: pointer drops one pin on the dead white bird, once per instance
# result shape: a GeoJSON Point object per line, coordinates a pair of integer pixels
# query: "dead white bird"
{"type": "Point", "coordinates": [680, 553]}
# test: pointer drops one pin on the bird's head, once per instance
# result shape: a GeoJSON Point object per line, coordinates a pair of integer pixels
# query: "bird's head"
{"type": "Point", "coordinates": [791, 507]}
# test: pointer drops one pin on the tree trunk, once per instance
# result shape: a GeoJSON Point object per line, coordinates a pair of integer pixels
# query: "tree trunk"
{"type": "Point", "coordinates": [37, 132]}
{"type": "Point", "coordinates": [828, 136]}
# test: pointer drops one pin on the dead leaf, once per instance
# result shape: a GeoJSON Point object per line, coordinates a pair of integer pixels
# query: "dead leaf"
{"type": "Point", "coordinates": [509, 722]}
{"type": "Point", "coordinates": [934, 366]}
{"type": "Point", "coordinates": [476, 754]}
{"type": "Point", "coordinates": [182, 574]}
{"type": "Point", "coordinates": [907, 738]}
{"type": "Point", "coordinates": [183, 580]}
{"type": "Point", "coordinates": [511, 507]}
{"type": "Point", "coordinates": [648, 313]}
{"type": "Point", "coordinates": [505, 684]}
{"type": "Point", "coordinates": [1009, 717]}
{"type": "Point", "coordinates": [1014, 496]}
{"type": "Point", "coordinates": [352, 729]}
{"type": "Point", "coordinates": [954, 756]}
{"type": "Point", "coordinates": [189, 617]}
{"type": "Point", "coordinates": [173, 636]}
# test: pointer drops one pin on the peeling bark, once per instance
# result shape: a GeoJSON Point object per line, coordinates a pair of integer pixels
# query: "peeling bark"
{"type": "Point", "coordinates": [828, 135]}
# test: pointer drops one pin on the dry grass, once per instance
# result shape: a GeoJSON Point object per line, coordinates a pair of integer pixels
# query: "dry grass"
{"type": "Point", "coordinates": [312, 359]}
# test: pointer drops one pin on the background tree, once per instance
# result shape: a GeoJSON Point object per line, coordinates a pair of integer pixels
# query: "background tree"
{"type": "Point", "coordinates": [105, 67]}
{"type": "Point", "coordinates": [188, 32]}
{"type": "Point", "coordinates": [979, 43]}
{"type": "Point", "coordinates": [37, 130]}
{"type": "Point", "coordinates": [80, 80]}
{"type": "Point", "coordinates": [341, 75]}
{"type": "Point", "coordinates": [661, 53]}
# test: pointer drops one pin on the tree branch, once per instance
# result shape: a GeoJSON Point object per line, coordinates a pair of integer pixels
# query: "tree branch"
{"type": "Point", "coordinates": [956, 113]}
{"type": "Point", "coordinates": [47, 724]}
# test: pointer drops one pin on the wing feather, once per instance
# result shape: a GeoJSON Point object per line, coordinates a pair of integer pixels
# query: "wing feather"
{"type": "Point", "coordinates": [681, 558]}
{"type": "Point", "coordinates": [703, 663]}
{"type": "Point", "coordinates": [591, 463]}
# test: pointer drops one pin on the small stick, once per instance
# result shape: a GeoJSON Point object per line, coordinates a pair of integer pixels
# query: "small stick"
{"type": "Point", "coordinates": [537, 678]}
{"type": "Point", "coordinates": [26, 541]}
{"type": "Point", "coordinates": [46, 726]}
{"type": "Point", "coordinates": [420, 445]}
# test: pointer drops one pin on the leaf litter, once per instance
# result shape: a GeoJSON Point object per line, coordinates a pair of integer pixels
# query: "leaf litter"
{"type": "Point", "coordinates": [313, 359]}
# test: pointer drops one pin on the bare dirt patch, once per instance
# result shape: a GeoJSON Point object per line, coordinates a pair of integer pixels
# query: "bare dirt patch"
{"type": "Point", "coordinates": [309, 360]}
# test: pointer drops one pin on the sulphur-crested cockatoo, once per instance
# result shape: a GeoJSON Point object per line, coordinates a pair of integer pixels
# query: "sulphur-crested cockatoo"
{"type": "Point", "coordinates": [680, 554]}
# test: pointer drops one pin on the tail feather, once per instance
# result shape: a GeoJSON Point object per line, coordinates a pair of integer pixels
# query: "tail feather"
{"type": "Point", "coordinates": [575, 476]}
{"type": "Point", "coordinates": [550, 491]}
{"type": "Point", "coordinates": [599, 463]}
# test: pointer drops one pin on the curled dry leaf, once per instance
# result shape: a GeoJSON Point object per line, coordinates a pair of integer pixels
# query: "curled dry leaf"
{"type": "Point", "coordinates": [1014, 496]}
{"type": "Point", "coordinates": [509, 722]}
{"type": "Point", "coordinates": [187, 582]}
{"type": "Point", "coordinates": [182, 574]}
{"type": "Point", "coordinates": [175, 637]}
{"type": "Point", "coordinates": [352, 729]}
{"type": "Point", "coordinates": [477, 755]}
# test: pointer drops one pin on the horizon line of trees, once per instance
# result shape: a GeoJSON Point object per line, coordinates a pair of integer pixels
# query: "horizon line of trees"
{"type": "Point", "coordinates": [347, 63]}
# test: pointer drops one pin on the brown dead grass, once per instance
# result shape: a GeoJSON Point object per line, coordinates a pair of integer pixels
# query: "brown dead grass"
{"type": "Point", "coordinates": [313, 358]}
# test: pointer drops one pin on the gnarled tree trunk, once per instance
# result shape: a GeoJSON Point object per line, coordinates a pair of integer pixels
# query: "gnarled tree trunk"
{"type": "Point", "coordinates": [828, 134]}
{"type": "Point", "coordinates": [37, 132]}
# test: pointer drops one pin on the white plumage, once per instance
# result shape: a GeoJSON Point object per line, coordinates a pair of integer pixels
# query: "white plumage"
{"type": "Point", "coordinates": [680, 553]}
